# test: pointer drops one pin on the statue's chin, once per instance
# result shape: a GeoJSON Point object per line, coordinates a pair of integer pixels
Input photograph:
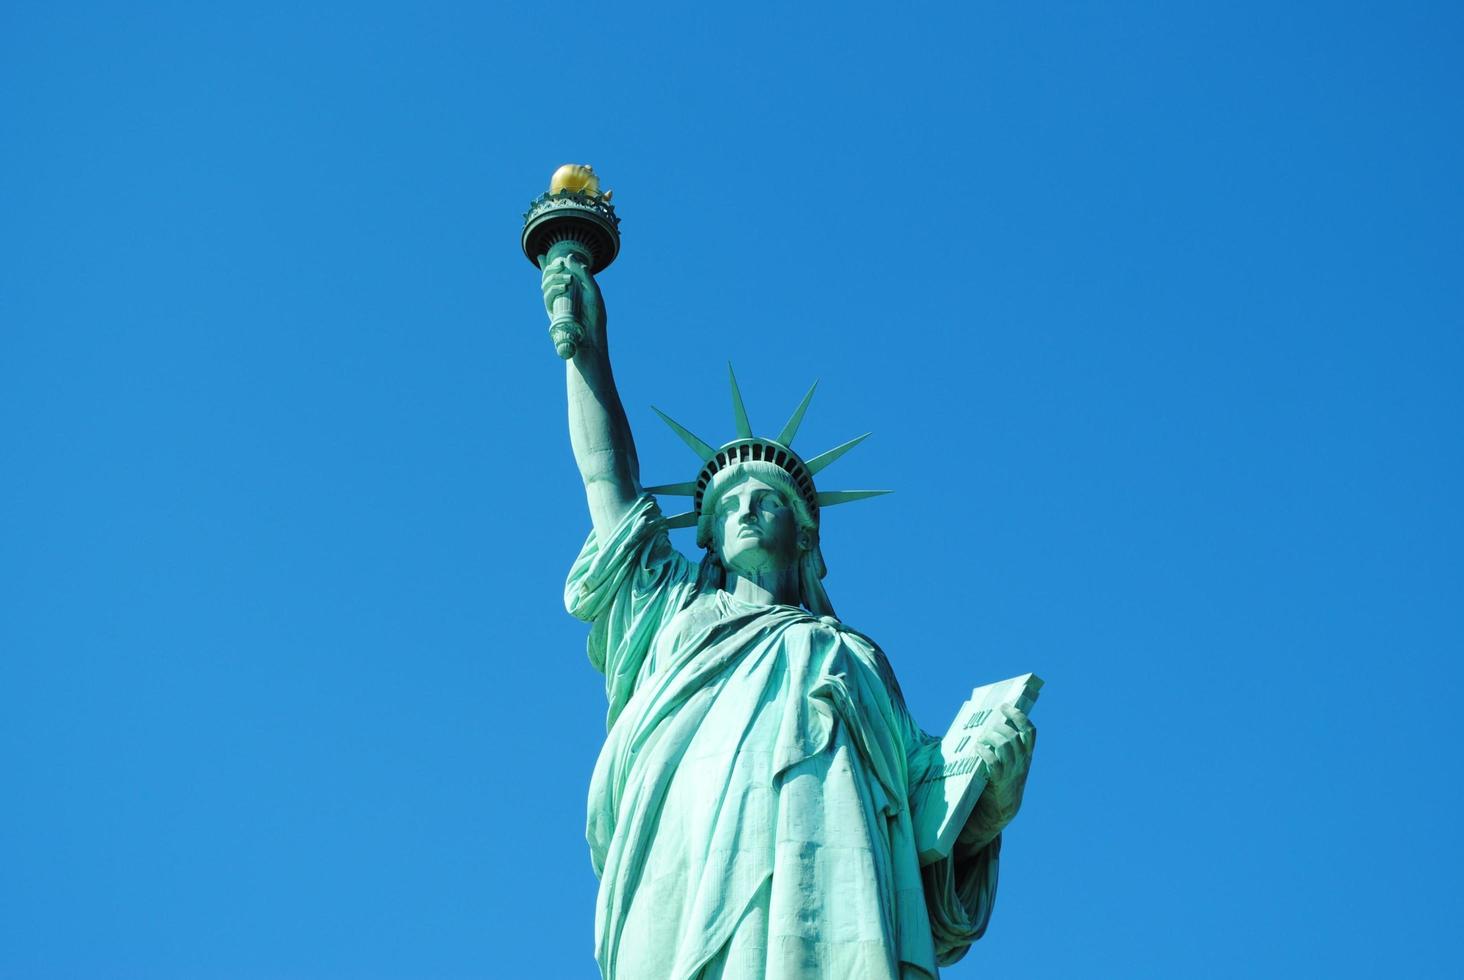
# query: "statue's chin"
{"type": "Point", "coordinates": [753, 560]}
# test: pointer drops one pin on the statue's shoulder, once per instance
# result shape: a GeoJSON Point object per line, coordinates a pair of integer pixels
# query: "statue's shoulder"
{"type": "Point", "coordinates": [865, 649]}
{"type": "Point", "coordinates": [860, 643]}
{"type": "Point", "coordinates": [844, 631]}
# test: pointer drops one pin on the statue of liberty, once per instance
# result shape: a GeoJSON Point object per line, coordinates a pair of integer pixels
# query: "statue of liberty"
{"type": "Point", "coordinates": [750, 813]}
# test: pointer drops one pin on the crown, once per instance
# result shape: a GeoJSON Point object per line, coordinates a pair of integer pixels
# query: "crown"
{"type": "Point", "coordinates": [746, 448]}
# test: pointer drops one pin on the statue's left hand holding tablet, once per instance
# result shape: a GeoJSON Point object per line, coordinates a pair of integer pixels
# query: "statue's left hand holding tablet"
{"type": "Point", "coordinates": [1006, 747]}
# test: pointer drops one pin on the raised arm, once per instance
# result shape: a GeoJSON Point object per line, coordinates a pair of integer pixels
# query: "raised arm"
{"type": "Point", "coordinates": [598, 430]}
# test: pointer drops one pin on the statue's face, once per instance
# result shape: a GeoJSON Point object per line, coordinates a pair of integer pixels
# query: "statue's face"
{"type": "Point", "coordinates": [755, 530]}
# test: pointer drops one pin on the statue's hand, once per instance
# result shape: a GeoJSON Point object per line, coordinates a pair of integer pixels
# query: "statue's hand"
{"type": "Point", "coordinates": [1006, 748]}
{"type": "Point", "coordinates": [567, 276]}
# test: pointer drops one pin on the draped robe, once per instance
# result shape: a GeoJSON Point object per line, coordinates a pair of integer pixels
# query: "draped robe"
{"type": "Point", "coordinates": [749, 813]}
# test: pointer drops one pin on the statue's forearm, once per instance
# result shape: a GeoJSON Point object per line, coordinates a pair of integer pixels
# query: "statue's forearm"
{"type": "Point", "coordinates": [994, 810]}
{"type": "Point", "coordinates": [600, 436]}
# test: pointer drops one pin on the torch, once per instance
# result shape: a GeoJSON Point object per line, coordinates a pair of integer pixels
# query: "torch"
{"type": "Point", "coordinates": [574, 217]}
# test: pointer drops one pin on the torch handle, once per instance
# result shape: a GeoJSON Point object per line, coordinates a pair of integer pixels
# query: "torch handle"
{"type": "Point", "coordinates": [565, 328]}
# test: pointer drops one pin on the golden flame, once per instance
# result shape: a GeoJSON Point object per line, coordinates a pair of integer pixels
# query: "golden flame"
{"type": "Point", "coordinates": [577, 177]}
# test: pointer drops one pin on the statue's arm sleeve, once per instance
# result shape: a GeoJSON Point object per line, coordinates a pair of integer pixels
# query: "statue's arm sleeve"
{"type": "Point", "coordinates": [627, 586]}
{"type": "Point", "coordinates": [959, 890]}
{"type": "Point", "coordinates": [960, 893]}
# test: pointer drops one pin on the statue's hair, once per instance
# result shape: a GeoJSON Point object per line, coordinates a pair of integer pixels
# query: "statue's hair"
{"type": "Point", "coordinates": [811, 567]}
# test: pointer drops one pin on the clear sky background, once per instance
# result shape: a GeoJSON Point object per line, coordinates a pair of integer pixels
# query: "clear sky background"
{"type": "Point", "coordinates": [1154, 310]}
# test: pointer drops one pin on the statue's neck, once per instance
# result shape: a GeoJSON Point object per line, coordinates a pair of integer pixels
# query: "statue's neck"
{"type": "Point", "coordinates": [765, 588]}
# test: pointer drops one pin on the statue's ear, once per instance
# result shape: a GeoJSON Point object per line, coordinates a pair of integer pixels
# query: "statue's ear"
{"type": "Point", "coordinates": [805, 540]}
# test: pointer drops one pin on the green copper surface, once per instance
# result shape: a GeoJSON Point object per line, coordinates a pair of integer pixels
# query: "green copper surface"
{"type": "Point", "coordinates": [823, 459]}
{"type": "Point", "coordinates": [764, 806]}
{"type": "Point", "coordinates": [699, 447]}
{"type": "Point", "coordinates": [739, 410]}
{"type": "Point", "coordinates": [791, 429]}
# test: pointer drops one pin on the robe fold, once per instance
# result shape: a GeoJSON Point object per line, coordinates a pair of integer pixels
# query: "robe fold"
{"type": "Point", "coordinates": [749, 813]}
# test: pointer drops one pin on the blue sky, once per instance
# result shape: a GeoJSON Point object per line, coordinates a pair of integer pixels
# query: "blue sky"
{"type": "Point", "coordinates": [1154, 310]}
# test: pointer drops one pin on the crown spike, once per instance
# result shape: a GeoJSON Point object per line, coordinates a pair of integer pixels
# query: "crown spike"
{"type": "Point", "coordinates": [824, 459]}
{"type": "Point", "coordinates": [682, 520]}
{"type": "Point", "coordinates": [675, 489]}
{"type": "Point", "coordinates": [791, 429]}
{"type": "Point", "coordinates": [697, 446]}
{"type": "Point", "coordinates": [739, 410]}
{"type": "Point", "coordinates": [831, 498]}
